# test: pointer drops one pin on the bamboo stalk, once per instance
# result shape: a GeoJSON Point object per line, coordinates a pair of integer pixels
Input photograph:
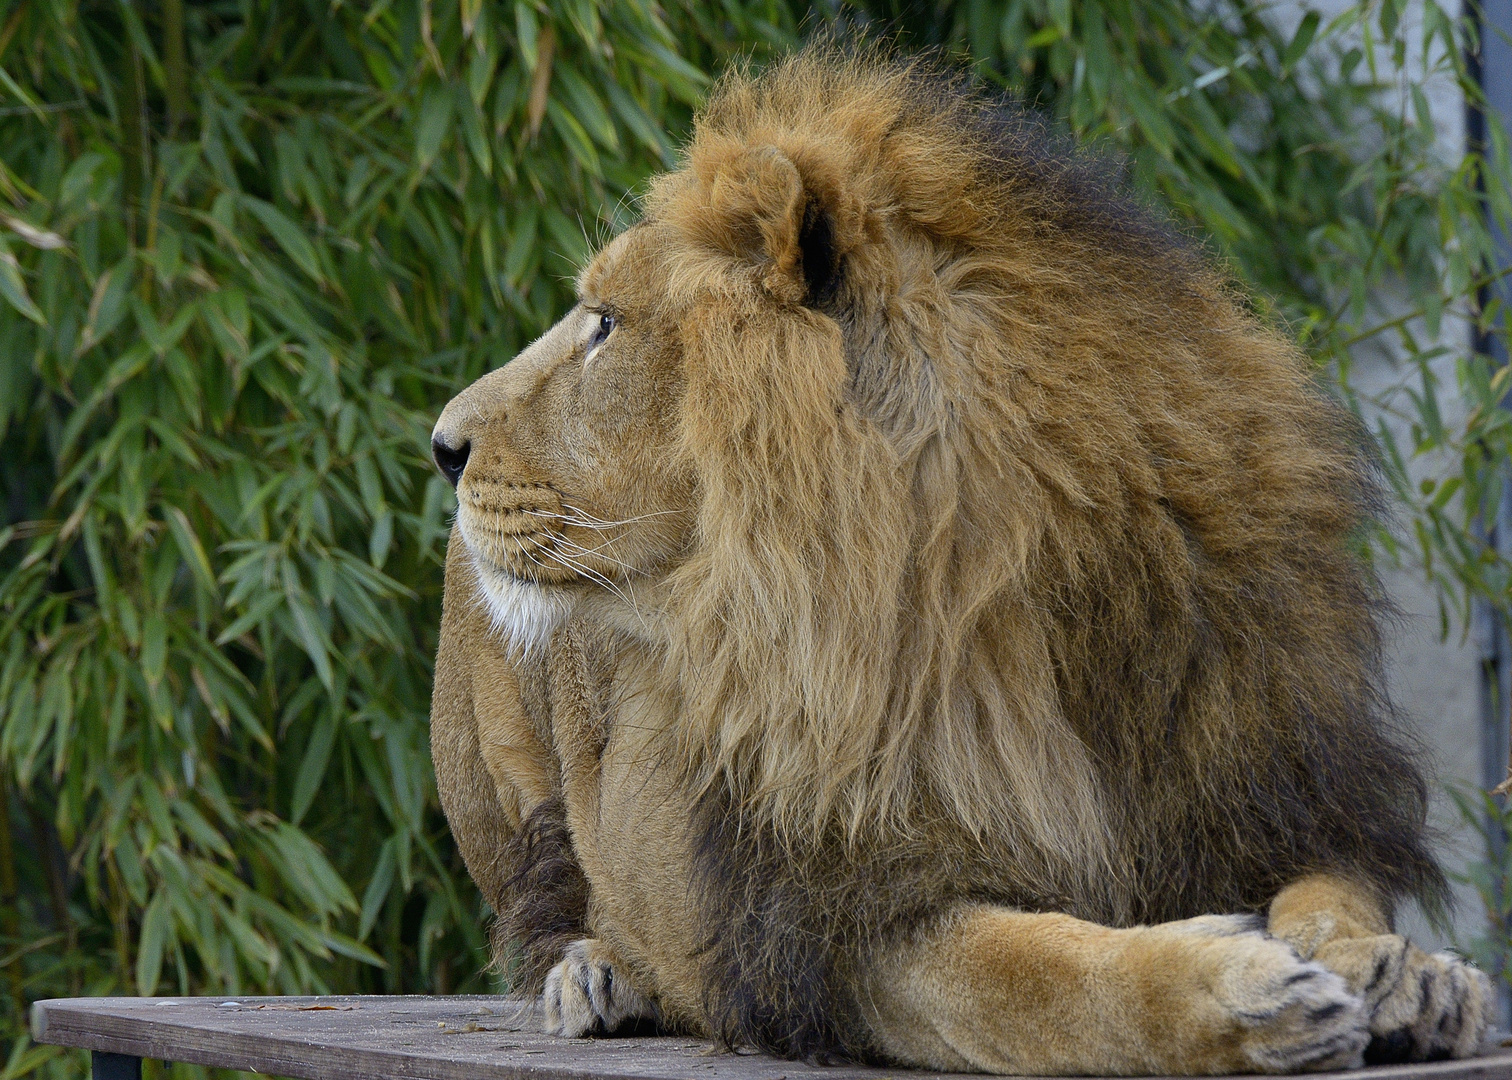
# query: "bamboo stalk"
{"type": "Point", "coordinates": [135, 152]}
{"type": "Point", "coordinates": [10, 922]}
{"type": "Point", "coordinates": [175, 64]}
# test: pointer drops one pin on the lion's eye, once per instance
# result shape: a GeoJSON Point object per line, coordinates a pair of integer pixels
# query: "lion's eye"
{"type": "Point", "coordinates": [601, 332]}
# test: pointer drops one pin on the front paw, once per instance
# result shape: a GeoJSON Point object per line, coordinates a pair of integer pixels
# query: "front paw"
{"type": "Point", "coordinates": [1423, 1007]}
{"type": "Point", "coordinates": [586, 995]}
{"type": "Point", "coordinates": [1296, 1016]}
{"type": "Point", "coordinates": [1259, 1007]}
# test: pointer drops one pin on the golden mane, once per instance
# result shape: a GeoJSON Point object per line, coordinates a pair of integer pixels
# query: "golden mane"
{"type": "Point", "coordinates": [940, 581]}
{"type": "Point", "coordinates": [1018, 538]}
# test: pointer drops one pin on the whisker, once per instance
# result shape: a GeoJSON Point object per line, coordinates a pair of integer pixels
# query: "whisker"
{"type": "Point", "coordinates": [567, 519]}
{"type": "Point", "coordinates": [583, 521]}
{"type": "Point", "coordinates": [580, 550]}
{"type": "Point", "coordinates": [588, 571]}
{"type": "Point", "coordinates": [608, 542]}
{"type": "Point", "coordinates": [526, 552]}
{"type": "Point", "coordinates": [594, 517]}
{"type": "Point", "coordinates": [584, 515]}
{"type": "Point", "coordinates": [594, 575]}
{"type": "Point", "coordinates": [576, 567]}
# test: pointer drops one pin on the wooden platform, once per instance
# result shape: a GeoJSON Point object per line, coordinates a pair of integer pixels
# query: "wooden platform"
{"type": "Point", "coordinates": [452, 1038]}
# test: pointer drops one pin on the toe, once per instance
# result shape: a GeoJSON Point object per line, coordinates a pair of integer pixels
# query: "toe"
{"type": "Point", "coordinates": [1301, 1016]}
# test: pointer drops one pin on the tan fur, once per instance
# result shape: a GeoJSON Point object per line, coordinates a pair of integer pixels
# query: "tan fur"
{"type": "Point", "coordinates": [484, 804]}
{"type": "Point", "coordinates": [933, 576]}
{"type": "Point", "coordinates": [1016, 993]}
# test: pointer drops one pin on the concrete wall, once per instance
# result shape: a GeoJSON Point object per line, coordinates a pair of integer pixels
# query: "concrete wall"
{"type": "Point", "coordinates": [1436, 682]}
{"type": "Point", "coordinates": [1437, 685]}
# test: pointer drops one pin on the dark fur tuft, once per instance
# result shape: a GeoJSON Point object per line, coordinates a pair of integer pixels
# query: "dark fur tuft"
{"type": "Point", "coordinates": [548, 906]}
{"type": "Point", "coordinates": [775, 970]}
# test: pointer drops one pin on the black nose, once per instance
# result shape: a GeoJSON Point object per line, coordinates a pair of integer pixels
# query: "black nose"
{"type": "Point", "coordinates": [450, 462]}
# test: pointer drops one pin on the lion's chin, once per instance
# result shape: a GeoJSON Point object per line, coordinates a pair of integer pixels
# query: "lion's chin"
{"type": "Point", "coordinates": [524, 613]}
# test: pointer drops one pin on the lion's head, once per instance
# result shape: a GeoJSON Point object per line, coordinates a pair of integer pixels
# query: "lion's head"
{"type": "Point", "coordinates": [571, 486]}
{"type": "Point", "coordinates": [949, 489]}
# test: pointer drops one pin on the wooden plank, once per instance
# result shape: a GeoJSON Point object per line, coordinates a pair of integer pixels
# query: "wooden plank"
{"type": "Point", "coordinates": [460, 1038]}
{"type": "Point", "coordinates": [391, 1038]}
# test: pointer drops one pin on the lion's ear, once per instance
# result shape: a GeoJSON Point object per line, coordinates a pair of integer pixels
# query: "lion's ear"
{"type": "Point", "coordinates": [761, 206]}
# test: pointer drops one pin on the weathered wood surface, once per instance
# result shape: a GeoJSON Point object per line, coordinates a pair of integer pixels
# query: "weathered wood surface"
{"type": "Point", "coordinates": [459, 1038]}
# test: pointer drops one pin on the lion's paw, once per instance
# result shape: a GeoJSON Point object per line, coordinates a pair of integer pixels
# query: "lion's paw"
{"type": "Point", "coordinates": [1422, 1007]}
{"type": "Point", "coordinates": [1289, 1014]}
{"type": "Point", "coordinates": [585, 995]}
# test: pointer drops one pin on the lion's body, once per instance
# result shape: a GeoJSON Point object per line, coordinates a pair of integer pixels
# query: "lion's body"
{"type": "Point", "coordinates": [920, 539]}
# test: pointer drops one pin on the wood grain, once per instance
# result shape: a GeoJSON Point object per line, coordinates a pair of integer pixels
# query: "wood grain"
{"type": "Point", "coordinates": [459, 1038]}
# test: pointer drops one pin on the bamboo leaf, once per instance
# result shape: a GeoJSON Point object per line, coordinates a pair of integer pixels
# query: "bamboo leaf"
{"type": "Point", "coordinates": [190, 548]}
{"type": "Point", "coordinates": [312, 769]}
{"type": "Point", "coordinates": [107, 305]}
{"type": "Point", "coordinates": [288, 236]}
{"type": "Point", "coordinates": [311, 636]}
{"type": "Point", "coordinates": [527, 33]}
{"type": "Point", "coordinates": [379, 885]}
{"type": "Point", "coordinates": [433, 125]}
{"type": "Point", "coordinates": [13, 287]}
{"type": "Point", "coordinates": [154, 941]}
{"type": "Point", "coordinates": [154, 647]}
{"type": "Point", "coordinates": [540, 80]}
{"type": "Point", "coordinates": [1302, 40]}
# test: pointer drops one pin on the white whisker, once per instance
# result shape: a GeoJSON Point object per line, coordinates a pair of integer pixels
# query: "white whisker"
{"type": "Point", "coordinates": [608, 543]}
{"type": "Point", "coordinates": [571, 564]}
{"type": "Point", "coordinates": [567, 519]}
{"type": "Point", "coordinates": [585, 521]}
{"type": "Point", "coordinates": [579, 550]}
{"type": "Point", "coordinates": [576, 567]}
{"type": "Point", "coordinates": [583, 515]}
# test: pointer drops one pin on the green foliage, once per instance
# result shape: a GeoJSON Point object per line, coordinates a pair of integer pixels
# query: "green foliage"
{"type": "Point", "coordinates": [248, 248]}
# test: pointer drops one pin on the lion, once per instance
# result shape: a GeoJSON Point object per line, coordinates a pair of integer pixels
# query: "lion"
{"type": "Point", "coordinates": [910, 610]}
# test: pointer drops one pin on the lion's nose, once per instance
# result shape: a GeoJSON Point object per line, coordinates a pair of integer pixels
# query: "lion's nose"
{"type": "Point", "coordinates": [450, 461]}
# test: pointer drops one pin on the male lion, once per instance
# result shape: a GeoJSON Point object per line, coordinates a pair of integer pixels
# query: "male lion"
{"type": "Point", "coordinates": [908, 611]}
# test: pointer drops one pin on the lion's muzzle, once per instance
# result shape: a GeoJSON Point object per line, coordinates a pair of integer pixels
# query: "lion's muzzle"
{"type": "Point", "coordinates": [515, 526]}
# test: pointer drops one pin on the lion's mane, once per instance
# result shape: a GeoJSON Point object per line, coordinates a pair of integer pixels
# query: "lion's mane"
{"type": "Point", "coordinates": [1032, 579]}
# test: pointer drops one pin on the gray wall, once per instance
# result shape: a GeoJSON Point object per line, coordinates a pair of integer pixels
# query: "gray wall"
{"type": "Point", "coordinates": [1437, 682]}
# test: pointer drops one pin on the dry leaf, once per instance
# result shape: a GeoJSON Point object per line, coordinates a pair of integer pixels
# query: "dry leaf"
{"type": "Point", "coordinates": [540, 82]}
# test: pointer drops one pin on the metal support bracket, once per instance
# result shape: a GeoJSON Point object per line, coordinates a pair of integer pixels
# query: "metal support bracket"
{"type": "Point", "coordinates": [105, 1066]}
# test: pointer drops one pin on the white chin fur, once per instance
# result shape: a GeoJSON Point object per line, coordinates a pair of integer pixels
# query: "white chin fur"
{"type": "Point", "coordinates": [524, 613]}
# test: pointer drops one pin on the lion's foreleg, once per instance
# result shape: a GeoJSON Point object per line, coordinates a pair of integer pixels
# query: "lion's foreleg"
{"type": "Point", "coordinates": [1004, 991]}
{"type": "Point", "coordinates": [592, 989]}
{"type": "Point", "coordinates": [492, 770]}
{"type": "Point", "coordinates": [1422, 1006]}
